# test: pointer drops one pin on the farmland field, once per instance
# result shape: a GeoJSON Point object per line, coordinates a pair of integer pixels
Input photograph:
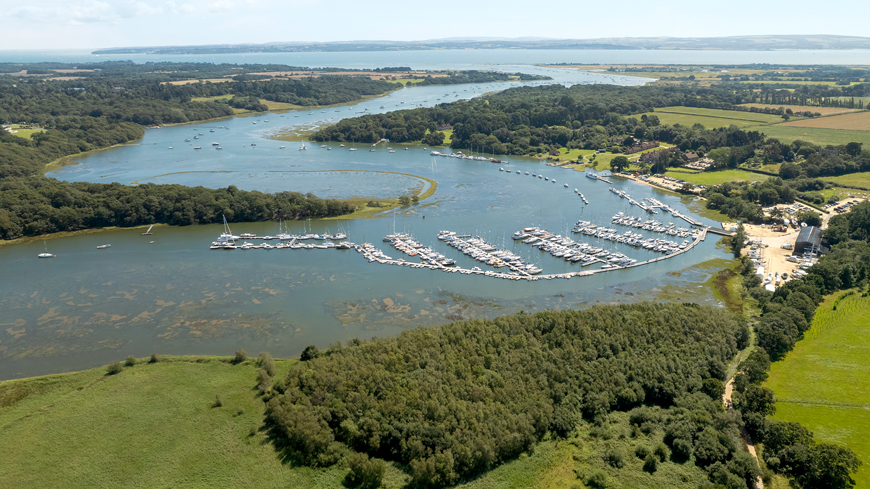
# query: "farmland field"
{"type": "Point", "coordinates": [820, 136]}
{"type": "Point", "coordinates": [824, 383]}
{"type": "Point", "coordinates": [722, 114]}
{"type": "Point", "coordinates": [804, 108]}
{"type": "Point", "coordinates": [856, 121]}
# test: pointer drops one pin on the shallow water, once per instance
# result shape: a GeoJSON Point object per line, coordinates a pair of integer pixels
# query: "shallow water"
{"type": "Point", "coordinates": [87, 307]}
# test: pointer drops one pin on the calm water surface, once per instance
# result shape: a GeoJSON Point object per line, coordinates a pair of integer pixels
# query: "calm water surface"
{"type": "Point", "coordinates": [87, 307]}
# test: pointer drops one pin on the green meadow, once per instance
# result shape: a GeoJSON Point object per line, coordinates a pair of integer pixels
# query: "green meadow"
{"type": "Point", "coordinates": [860, 179]}
{"type": "Point", "coordinates": [824, 383]}
{"type": "Point", "coordinates": [711, 118]}
{"type": "Point", "coordinates": [716, 177]}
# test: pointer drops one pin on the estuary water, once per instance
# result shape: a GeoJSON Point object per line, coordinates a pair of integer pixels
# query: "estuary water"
{"type": "Point", "coordinates": [168, 293]}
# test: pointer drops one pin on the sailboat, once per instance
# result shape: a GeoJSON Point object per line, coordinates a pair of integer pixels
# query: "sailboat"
{"type": "Point", "coordinates": [354, 147]}
{"type": "Point", "coordinates": [46, 254]}
{"type": "Point", "coordinates": [227, 235]}
{"type": "Point", "coordinates": [148, 233]}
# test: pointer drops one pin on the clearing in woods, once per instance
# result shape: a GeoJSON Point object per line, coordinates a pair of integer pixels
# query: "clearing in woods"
{"type": "Point", "coordinates": [823, 383]}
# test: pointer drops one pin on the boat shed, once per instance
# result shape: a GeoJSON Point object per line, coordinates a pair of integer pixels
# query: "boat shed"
{"type": "Point", "coordinates": [810, 238]}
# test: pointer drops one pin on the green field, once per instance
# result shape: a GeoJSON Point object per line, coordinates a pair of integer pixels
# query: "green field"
{"type": "Point", "coordinates": [405, 81]}
{"type": "Point", "coordinates": [813, 135]}
{"type": "Point", "coordinates": [574, 154]}
{"type": "Point", "coordinates": [155, 425]}
{"type": "Point", "coordinates": [24, 133]}
{"type": "Point", "coordinates": [711, 118]}
{"type": "Point", "coordinates": [824, 383]}
{"type": "Point", "coordinates": [717, 177]}
{"type": "Point", "coordinates": [860, 179]}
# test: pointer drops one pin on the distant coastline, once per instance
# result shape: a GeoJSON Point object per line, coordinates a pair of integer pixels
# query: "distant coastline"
{"type": "Point", "coordinates": [740, 43]}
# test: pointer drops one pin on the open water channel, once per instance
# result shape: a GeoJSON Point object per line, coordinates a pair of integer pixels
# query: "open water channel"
{"type": "Point", "coordinates": [168, 293]}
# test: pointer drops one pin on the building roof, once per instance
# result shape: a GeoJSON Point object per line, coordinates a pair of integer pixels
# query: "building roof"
{"type": "Point", "coordinates": [811, 235]}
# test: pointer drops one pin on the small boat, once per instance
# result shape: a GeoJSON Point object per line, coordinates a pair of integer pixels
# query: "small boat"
{"type": "Point", "coordinates": [104, 246]}
{"type": "Point", "coordinates": [302, 147]}
{"type": "Point", "coordinates": [218, 147]}
{"type": "Point", "coordinates": [215, 144]}
{"type": "Point", "coordinates": [197, 147]}
{"type": "Point", "coordinates": [187, 140]}
{"type": "Point", "coordinates": [45, 254]}
{"type": "Point", "coordinates": [170, 147]}
{"type": "Point", "coordinates": [282, 147]}
{"type": "Point", "coordinates": [341, 145]}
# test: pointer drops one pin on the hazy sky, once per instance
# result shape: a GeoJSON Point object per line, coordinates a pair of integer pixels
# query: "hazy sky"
{"type": "Point", "coordinates": [60, 24]}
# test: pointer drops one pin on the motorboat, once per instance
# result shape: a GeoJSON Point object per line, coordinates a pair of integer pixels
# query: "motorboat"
{"type": "Point", "coordinates": [104, 246]}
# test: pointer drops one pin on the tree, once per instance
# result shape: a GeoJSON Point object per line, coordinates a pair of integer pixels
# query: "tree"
{"type": "Point", "coordinates": [365, 473]}
{"type": "Point", "coordinates": [240, 356]}
{"type": "Point", "coordinates": [114, 368]}
{"type": "Point", "coordinates": [713, 388]}
{"type": "Point", "coordinates": [618, 163]}
{"type": "Point", "coordinates": [755, 399]}
{"type": "Point", "coordinates": [829, 467]}
{"type": "Point", "coordinates": [404, 201]}
{"type": "Point", "coordinates": [810, 218]}
{"type": "Point", "coordinates": [688, 188]}
{"type": "Point", "coordinates": [720, 156]}
{"type": "Point", "coordinates": [738, 241]}
{"type": "Point", "coordinates": [310, 353]}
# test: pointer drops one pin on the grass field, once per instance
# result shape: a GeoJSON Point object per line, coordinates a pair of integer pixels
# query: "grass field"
{"type": "Point", "coordinates": [860, 179]}
{"type": "Point", "coordinates": [24, 133]}
{"type": "Point", "coordinates": [859, 121]}
{"type": "Point", "coordinates": [574, 154]}
{"type": "Point", "coordinates": [709, 118]}
{"type": "Point", "coordinates": [722, 114]}
{"type": "Point", "coordinates": [717, 177]}
{"type": "Point", "coordinates": [155, 425]}
{"type": "Point", "coordinates": [824, 383]}
{"type": "Point", "coordinates": [819, 136]}
{"type": "Point", "coordinates": [405, 81]}
{"type": "Point", "coordinates": [804, 108]}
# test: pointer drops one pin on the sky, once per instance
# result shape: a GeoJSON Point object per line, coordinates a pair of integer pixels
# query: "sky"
{"type": "Point", "coordinates": [90, 24]}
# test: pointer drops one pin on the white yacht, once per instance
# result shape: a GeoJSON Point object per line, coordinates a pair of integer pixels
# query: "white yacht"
{"type": "Point", "coordinates": [45, 254]}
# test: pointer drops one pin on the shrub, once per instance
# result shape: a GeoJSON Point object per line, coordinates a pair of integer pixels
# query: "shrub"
{"type": "Point", "coordinates": [310, 353]}
{"type": "Point", "coordinates": [641, 451]}
{"type": "Point", "coordinates": [114, 368]}
{"type": "Point", "coordinates": [682, 449]}
{"type": "Point", "coordinates": [130, 361]}
{"type": "Point", "coordinates": [217, 401]}
{"type": "Point", "coordinates": [240, 357]}
{"type": "Point", "coordinates": [650, 463]}
{"type": "Point", "coordinates": [264, 381]}
{"type": "Point", "coordinates": [614, 457]}
{"type": "Point", "coordinates": [661, 451]}
{"type": "Point", "coordinates": [365, 473]}
{"type": "Point", "coordinates": [268, 364]}
{"type": "Point", "coordinates": [597, 480]}
{"type": "Point", "coordinates": [153, 358]}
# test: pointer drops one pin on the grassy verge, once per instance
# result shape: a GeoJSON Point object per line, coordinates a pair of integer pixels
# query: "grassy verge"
{"type": "Point", "coordinates": [823, 382]}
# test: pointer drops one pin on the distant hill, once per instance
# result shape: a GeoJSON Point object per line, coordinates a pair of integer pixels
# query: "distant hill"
{"type": "Point", "coordinates": [738, 43]}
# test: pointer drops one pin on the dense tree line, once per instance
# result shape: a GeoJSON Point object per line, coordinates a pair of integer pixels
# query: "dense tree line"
{"type": "Point", "coordinates": [528, 120]}
{"type": "Point", "coordinates": [454, 401]}
{"type": "Point", "coordinates": [30, 206]}
{"type": "Point", "coordinates": [474, 76]}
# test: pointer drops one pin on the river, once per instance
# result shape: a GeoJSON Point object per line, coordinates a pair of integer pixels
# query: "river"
{"type": "Point", "coordinates": [169, 294]}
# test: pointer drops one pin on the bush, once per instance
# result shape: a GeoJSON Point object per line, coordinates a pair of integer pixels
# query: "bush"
{"type": "Point", "coordinates": [268, 364]}
{"type": "Point", "coordinates": [130, 361]}
{"type": "Point", "coordinates": [310, 353]}
{"type": "Point", "coordinates": [682, 449]}
{"type": "Point", "coordinates": [661, 451]}
{"type": "Point", "coordinates": [641, 451]}
{"type": "Point", "coordinates": [365, 473]}
{"type": "Point", "coordinates": [217, 401]}
{"type": "Point", "coordinates": [264, 381]}
{"type": "Point", "coordinates": [650, 463]}
{"type": "Point", "coordinates": [153, 358]}
{"type": "Point", "coordinates": [114, 368]}
{"type": "Point", "coordinates": [597, 480]}
{"type": "Point", "coordinates": [240, 357]}
{"type": "Point", "coordinates": [614, 458]}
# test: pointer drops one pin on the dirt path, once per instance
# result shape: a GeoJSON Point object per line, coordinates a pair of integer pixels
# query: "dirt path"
{"type": "Point", "coordinates": [750, 447]}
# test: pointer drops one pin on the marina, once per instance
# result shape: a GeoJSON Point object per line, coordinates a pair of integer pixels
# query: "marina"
{"type": "Point", "coordinates": [170, 291]}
